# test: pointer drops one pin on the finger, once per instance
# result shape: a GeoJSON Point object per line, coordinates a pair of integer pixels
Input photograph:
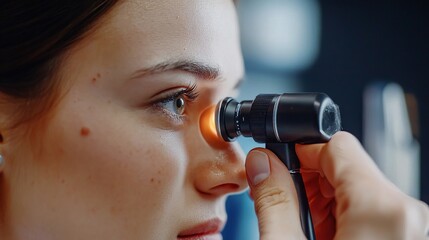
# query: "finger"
{"type": "Point", "coordinates": [341, 160]}
{"type": "Point", "coordinates": [320, 209]}
{"type": "Point", "coordinates": [309, 176]}
{"type": "Point", "coordinates": [418, 213]}
{"type": "Point", "coordinates": [326, 229]}
{"type": "Point", "coordinates": [311, 184]}
{"type": "Point", "coordinates": [274, 195]}
{"type": "Point", "coordinates": [316, 184]}
{"type": "Point", "coordinates": [326, 188]}
{"type": "Point", "coordinates": [320, 202]}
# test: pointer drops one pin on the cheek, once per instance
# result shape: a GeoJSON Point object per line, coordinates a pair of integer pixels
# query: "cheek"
{"type": "Point", "coordinates": [128, 157]}
{"type": "Point", "coordinates": [123, 166]}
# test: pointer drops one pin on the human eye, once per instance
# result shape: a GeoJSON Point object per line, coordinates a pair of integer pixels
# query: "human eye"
{"type": "Point", "coordinates": [175, 102]}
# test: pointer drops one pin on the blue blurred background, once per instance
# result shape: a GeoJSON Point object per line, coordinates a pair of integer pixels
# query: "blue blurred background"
{"type": "Point", "coordinates": [370, 57]}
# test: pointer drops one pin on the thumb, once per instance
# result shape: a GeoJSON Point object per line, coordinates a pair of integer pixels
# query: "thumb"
{"type": "Point", "coordinates": [274, 196]}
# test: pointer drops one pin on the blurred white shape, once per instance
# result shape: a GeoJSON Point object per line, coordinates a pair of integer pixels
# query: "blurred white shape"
{"type": "Point", "coordinates": [388, 136]}
{"type": "Point", "coordinates": [280, 34]}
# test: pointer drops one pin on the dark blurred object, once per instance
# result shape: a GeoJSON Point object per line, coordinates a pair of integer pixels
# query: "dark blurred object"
{"type": "Point", "coordinates": [280, 38]}
{"type": "Point", "coordinates": [363, 41]}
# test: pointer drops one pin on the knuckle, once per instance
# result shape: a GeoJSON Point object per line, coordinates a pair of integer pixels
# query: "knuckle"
{"type": "Point", "coordinates": [405, 216]}
{"type": "Point", "coordinates": [271, 197]}
{"type": "Point", "coordinates": [341, 142]}
{"type": "Point", "coordinates": [423, 210]}
{"type": "Point", "coordinates": [345, 157]}
{"type": "Point", "coordinates": [416, 218]}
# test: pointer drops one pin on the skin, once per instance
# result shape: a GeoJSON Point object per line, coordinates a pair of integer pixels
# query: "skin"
{"type": "Point", "coordinates": [115, 160]}
{"type": "Point", "coordinates": [349, 197]}
{"type": "Point", "coordinates": [110, 161]}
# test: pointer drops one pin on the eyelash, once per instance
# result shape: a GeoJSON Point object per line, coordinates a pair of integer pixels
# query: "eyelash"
{"type": "Point", "coordinates": [190, 95]}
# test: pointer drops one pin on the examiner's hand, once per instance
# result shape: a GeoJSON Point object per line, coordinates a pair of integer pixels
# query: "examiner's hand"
{"type": "Point", "coordinates": [349, 197]}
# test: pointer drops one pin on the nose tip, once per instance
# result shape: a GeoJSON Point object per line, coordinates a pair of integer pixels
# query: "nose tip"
{"type": "Point", "coordinates": [224, 174]}
{"type": "Point", "coordinates": [208, 130]}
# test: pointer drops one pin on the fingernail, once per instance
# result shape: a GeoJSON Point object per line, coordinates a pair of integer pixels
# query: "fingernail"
{"type": "Point", "coordinates": [258, 166]}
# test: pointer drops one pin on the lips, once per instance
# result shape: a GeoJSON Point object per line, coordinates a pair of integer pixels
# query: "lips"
{"type": "Point", "coordinates": [209, 230]}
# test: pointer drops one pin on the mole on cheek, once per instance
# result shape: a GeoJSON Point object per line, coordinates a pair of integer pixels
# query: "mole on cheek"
{"type": "Point", "coordinates": [84, 131]}
{"type": "Point", "coordinates": [95, 78]}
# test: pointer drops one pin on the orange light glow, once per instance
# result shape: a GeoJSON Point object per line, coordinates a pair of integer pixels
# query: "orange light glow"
{"type": "Point", "coordinates": [208, 128]}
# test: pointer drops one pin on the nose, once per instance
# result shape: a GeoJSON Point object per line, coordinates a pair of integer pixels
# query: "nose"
{"type": "Point", "coordinates": [219, 172]}
{"type": "Point", "coordinates": [217, 168]}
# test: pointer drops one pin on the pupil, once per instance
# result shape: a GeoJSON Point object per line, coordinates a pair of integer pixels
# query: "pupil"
{"type": "Point", "coordinates": [179, 103]}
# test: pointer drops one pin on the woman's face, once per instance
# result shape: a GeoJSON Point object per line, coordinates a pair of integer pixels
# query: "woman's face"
{"type": "Point", "coordinates": [121, 156]}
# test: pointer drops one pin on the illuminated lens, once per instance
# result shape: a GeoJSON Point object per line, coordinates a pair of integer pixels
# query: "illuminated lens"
{"type": "Point", "coordinates": [208, 128]}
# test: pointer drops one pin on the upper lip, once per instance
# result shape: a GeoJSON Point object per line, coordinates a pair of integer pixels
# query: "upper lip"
{"type": "Point", "coordinates": [211, 226]}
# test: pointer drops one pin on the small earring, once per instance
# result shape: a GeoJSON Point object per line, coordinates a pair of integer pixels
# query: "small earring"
{"type": "Point", "coordinates": [1, 163]}
{"type": "Point", "coordinates": [1, 156]}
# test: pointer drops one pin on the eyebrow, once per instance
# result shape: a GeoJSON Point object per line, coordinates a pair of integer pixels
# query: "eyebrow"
{"type": "Point", "coordinates": [199, 69]}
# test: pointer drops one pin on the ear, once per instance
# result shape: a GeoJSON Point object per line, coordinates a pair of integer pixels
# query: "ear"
{"type": "Point", "coordinates": [3, 117]}
{"type": "Point", "coordinates": [9, 111]}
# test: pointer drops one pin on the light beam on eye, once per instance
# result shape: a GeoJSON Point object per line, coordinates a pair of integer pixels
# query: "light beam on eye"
{"type": "Point", "coordinates": [208, 128]}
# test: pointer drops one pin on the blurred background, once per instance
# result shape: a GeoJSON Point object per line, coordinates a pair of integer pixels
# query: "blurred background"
{"type": "Point", "coordinates": [370, 57]}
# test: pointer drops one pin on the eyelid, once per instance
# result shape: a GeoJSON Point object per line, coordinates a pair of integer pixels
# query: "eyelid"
{"type": "Point", "coordinates": [189, 92]}
{"type": "Point", "coordinates": [190, 95]}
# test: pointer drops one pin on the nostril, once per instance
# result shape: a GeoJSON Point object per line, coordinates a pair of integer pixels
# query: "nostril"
{"type": "Point", "coordinates": [225, 188]}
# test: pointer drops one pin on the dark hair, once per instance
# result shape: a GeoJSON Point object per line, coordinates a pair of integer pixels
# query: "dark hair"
{"type": "Point", "coordinates": [33, 37]}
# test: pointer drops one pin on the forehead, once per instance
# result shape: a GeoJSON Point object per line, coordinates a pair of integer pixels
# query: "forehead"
{"type": "Point", "coordinates": [150, 32]}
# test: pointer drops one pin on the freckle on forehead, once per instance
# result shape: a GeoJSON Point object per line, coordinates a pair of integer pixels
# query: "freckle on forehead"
{"type": "Point", "coordinates": [84, 131]}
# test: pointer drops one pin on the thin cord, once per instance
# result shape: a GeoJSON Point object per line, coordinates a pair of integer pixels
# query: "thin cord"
{"type": "Point", "coordinates": [304, 209]}
{"type": "Point", "coordinates": [286, 153]}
